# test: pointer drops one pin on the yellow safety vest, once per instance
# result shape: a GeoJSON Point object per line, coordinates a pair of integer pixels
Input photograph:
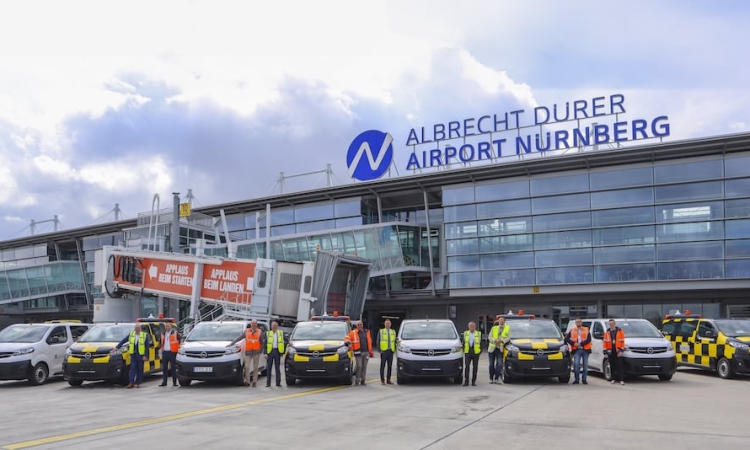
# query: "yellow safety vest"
{"type": "Point", "coordinates": [477, 341]}
{"type": "Point", "coordinates": [384, 340]}
{"type": "Point", "coordinates": [494, 335]}
{"type": "Point", "coordinates": [141, 343]}
{"type": "Point", "coordinates": [269, 341]}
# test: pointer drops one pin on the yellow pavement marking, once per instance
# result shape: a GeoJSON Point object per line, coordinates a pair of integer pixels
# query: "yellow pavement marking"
{"type": "Point", "coordinates": [141, 423]}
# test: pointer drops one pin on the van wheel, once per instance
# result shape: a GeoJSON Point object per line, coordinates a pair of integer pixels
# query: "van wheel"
{"type": "Point", "coordinates": [400, 379]}
{"type": "Point", "coordinates": [125, 377]}
{"type": "Point", "coordinates": [39, 374]}
{"type": "Point", "coordinates": [607, 370]}
{"type": "Point", "coordinates": [504, 375]}
{"type": "Point", "coordinates": [724, 369]}
{"type": "Point", "coordinates": [290, 381]}
{"type": "Point", "coordinates": [665, 376]}
{"type": "Point", "coordinates": [185, 382]}
{"type": "Point", "coordinates": [458, 380]}
{"type": "Point", "coordinates": [75, 383]}
{"type": "Point", "coordinates": [564, 379]}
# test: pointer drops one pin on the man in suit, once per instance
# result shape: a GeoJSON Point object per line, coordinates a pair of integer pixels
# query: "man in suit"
{"type": "Point", "coordinates": [472, 349]}
{"type": "Point", "coordinates": [273, 347]}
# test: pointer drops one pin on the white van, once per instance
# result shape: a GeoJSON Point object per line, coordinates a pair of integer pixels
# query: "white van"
{"type": "Point", "coordinates": [429, 348]}
{"type": "Point", "coordinates": [647, 352]}
{"type": "Point", "coordinates": [35, 352]}
{"type": "Point", "coordinates": [213, 351]}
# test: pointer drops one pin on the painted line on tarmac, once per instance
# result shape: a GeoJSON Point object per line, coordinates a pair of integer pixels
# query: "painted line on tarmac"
{"type": "Point", "coordinates": [142, 423]}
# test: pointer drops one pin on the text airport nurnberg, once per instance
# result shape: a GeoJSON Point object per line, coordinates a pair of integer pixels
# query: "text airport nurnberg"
{"type": "Point", "coordinates": [471, 129]}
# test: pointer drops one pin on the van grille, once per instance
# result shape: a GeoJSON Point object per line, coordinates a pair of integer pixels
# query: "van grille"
{"type": "Point", "coordinates": [5, 354]}
{"type": "Point", "coordinates": [646, 350]}
{"type": "Point", "coordinates": [320, 354]}
{"type": "Point", "coordinates": [431, 352]}
{"type": "Point", "coordinates": [209, 354]}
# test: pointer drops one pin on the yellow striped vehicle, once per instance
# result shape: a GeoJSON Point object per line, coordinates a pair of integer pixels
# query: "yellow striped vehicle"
{"type": "Point", "coordinates": [317, 349]}
{"type": "Point", "coordinates": [91, 358]}
{"type": "Point", "coordinates": [720, 345]}
{"type": "Point", "coordinates": [536, 349]}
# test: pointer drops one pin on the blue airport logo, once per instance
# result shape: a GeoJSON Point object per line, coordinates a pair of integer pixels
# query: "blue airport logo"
{"type": "Point", "coordinates": [370, 155]}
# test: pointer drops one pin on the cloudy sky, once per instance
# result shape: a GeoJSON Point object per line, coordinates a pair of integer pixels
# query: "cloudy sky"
{"type": "Point", "coordinates": [111, 102]}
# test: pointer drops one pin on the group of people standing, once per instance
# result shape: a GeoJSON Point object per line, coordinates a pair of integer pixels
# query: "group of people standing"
{"type": "Point", "coordinates": [270, 344]}
{"type": "Point", "coordinates": [497, 339]}
{"type": "Point", "coordinates": [579, 340]}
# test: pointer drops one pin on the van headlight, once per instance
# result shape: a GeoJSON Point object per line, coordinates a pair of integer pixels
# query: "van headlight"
{"type": "Point", "coordinates": [343, 350]}
{"type": "Point", "coordinates": [181, 351]}
{"type": "Point", "coordinates": [403, 348]}
{"type": "Point", "coordinates": [23, 351]}
{"type": "Point", "coordinates": [512, 350]}
{"type": "Point", "coordinates": [68, 351]}
{"type": "Point", "coordinates": [456, 348]}
{"type": "Point", "coordinates": [232, 349]}
{"type": "Point", "coordinates": [565, 349]}
{"type": "Point", "coordinates": [293, 351]}
{"type": "Point", "coordinates": [738, 345]}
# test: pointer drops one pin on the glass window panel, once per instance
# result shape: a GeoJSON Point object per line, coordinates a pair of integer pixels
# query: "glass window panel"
{"type": "Point", "coordinates": [348, 222]}
{"type": "Point", "coordinates": [737, 228]}
{"type": "Point", "coordinates": [465, 280]}
{"type": "Point", "coordinates": [560, 203]}
{"type": "Point", "coordinates": [738, 268]}
{"type": "Point", "coordinates": [621, 178]}
{"type": "Point", "coordinates": [690, 270]}
{"type": "Point", "coordinates": [616, 311]}
{"type": "Point", "coordinates": [634, 253]}
{"type": "Point", "coordinates": [565, 275]}
{"type": "Point", "coordinates": [460, 229]}
{"type": "Point", "coordinates": [563, 239]}
{"type": "Point", "coordinates": [562, 221]}
{"type": "Point", "coordinates": [691, 191]}
{"type": "Point", "coordinates": [625, 272]}
{"type": "Point", "coordinates": [688, 171]}
{"type": "Point", "coordinates": [690, 250]}
{"type": "Point", "coordinates": [90, 243]}
{"type": "Point", "coordinates": [689, 212]}
{"type": "Point", "coordinates": [560, 184]}
{"type": "Point", "coordinates": [316, 226]}
{"type": "Point", "coordinates": [463, 263]}
{"type": "Point", "coordinates": [504, 226]}
{"type": "Point", "coordinates": [738, 208]}
{"type": "Point", "coordinates": [463, 212]}
{"type": "Point", "coordinates": [283, 230]}
{"type": "Point", "coordinates": [308, 213]}
{"type": "Point", "coordinates": [28, 252]}
{"type": "Point", "coordinates": [457, 196]}
{"type": "Point", "coordinates": [504, 208]}
{"type": "Point", "coordinates": [624, 216]}
{"type": "Point", "coordinates": [497, 278]}
{"type": "Point", "coordinates": [693, 231]}
{"type": "Point", "coordinates": [737, 188]}
{"type": "Point", "coordinates": [500, 191]}
{"type": "Point", "coordinates": [737, 249]}
{"type": "Point", "coordinates": [623, 197]}
{"type": "Point", "coordinates": [507, 260]}
{"type": "Point", "coordinates": [281, 216]}
{"type": "Point", "coordinates": [737, 167]}
{"type": "Point", "coordinates": [347, 208]}
{"type": "Point", "coordinates": [573, 257]}
{"type": "Point", "coordinates": [625, 235]}
{"type": "Point", "coordinates": [462, 246]}
{"type": "Point", "coordinates": [234, 222]}
{"type": "Point", "coordinates": [509, 243]}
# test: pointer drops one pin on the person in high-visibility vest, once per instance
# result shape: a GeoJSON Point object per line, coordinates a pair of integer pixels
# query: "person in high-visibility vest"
{"type": "Point", "coordinates": [387, 345]}
{"type": "Point", "coordinates": [614, 345]}
{"type": "Point", "coordinates": [138, 344]}
{"type": "Point", "coordinates": [472, 349]}
{"type": "Point", "coordinates": [274, 348]}
{"type": "Point", "coordinates": [579, 340]}
{"type": "Point", "coordinates": [253, 337]}
{"type": "Point", "coordinates": [170, 345]}
{"type": "Point", "coordinates": [499, 336]}
{"type": "Point", "coordinates": [361, 344]}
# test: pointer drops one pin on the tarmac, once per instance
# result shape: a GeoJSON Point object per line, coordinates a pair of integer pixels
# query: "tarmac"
{"type": "Point", "coordinates": [694, 410]}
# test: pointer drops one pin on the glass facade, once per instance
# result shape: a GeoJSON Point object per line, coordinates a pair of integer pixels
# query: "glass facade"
{"type": "Point", "coordinates": [678, 220]}
{"type": "Point", "coordinates": [42, 280]}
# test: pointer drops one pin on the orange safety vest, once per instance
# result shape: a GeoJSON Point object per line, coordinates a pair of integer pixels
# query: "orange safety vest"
{"type": "Point", "coordinates": [354, 339]}
{"type": "Point", "coordinates": [584, 336]}
{"type": "Point", "coordinates": [619, 340]}
{"type": "Point", "coordinates": [252, 340]}
{"type": "Point", "coordinates": [174, 343]}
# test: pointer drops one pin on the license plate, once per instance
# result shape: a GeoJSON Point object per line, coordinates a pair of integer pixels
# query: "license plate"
{"type": "Point", "coordinates": [203, 369]}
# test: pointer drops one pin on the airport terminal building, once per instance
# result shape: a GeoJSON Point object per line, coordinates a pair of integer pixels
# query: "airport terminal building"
{"type": "Point", "coordinates": [634, 231]}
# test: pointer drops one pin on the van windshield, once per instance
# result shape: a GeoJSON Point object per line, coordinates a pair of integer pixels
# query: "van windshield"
{"type": "Point", "coordinates": [428, 330]}
{"type": "Point", "coordinates": [734, 328]}
{"type": "Point", "coordinates": [23, 334]}
{"type": "Point", "coordinates": [638, 329]}
{"type": "Point", "coordinates": [534, 329]}
{"type": "Point", "coordinates": [107, 333]}
{"type": "Point", "coordinates": [320, 331]}
{"type": "Point", "coordinates": [208, 331]}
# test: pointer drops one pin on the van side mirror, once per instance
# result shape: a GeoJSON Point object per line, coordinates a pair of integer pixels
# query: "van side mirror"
{"type": "Point", "coordinates": [709, 334]}
{"type": "Point", "coordinates": [598, 335]}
